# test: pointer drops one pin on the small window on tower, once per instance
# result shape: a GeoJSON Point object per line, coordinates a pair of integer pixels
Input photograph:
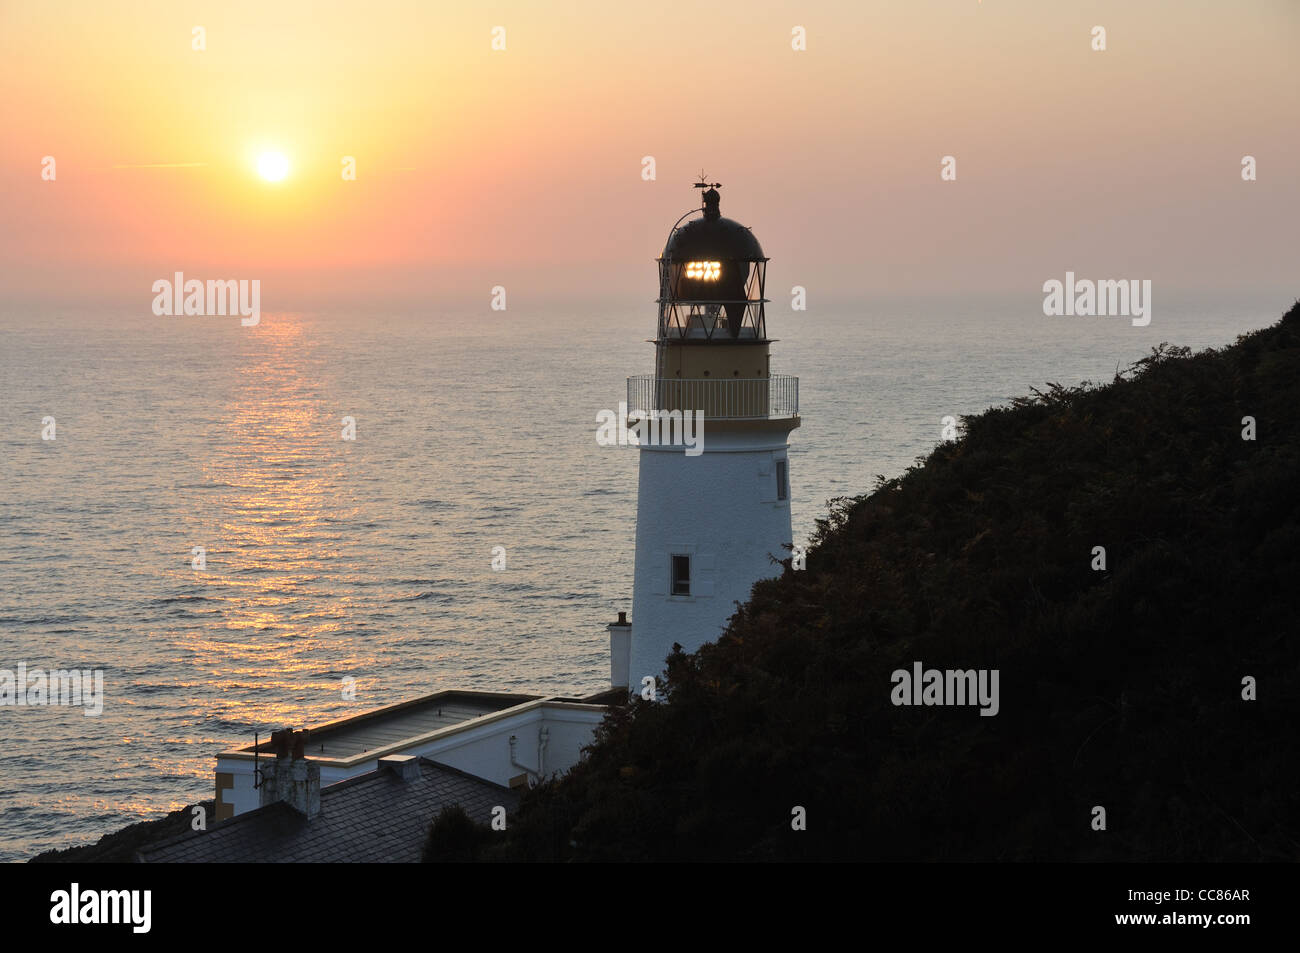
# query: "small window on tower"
{"type": "Point", "coordinates": [782, 481]}
{"type": "Point", "coordinates": [681, 576]}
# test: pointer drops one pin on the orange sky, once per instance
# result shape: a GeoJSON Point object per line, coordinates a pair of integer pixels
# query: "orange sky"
{"type": "Point", "coordinates": [523, 167]}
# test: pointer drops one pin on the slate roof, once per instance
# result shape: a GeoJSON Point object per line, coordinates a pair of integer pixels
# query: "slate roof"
{"type": "Point", "coordinates": [372, 818]}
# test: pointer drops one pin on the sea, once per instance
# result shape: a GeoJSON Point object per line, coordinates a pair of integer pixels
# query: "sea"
{"type": "Point", "coordinates": [195, 441]}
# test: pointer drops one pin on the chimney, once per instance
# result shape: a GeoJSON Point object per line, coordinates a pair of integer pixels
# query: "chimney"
{"type": "Point", "coordinates": [620, 651]}
{"type": "Point", "coordinates": [405, 767]}
{"type": "Point", "coordinates": [291, 778]}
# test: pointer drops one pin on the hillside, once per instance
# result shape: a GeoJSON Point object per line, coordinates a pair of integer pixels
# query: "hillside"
{"type": "Point", "coordinates": [120, 846]}
{"type": "Point", "coordinates": [1121, 687]}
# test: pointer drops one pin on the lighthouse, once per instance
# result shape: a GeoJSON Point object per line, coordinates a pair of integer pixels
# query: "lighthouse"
{"type": "Point", "coordinates": [712, 516]}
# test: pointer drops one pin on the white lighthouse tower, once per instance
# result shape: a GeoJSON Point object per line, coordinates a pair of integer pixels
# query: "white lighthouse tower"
{"type": "Point", "coordinates": [712, 521]}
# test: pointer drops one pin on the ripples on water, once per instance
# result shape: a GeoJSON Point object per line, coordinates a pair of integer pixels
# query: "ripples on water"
{"type": "Point", "coordinates": [371, 558]}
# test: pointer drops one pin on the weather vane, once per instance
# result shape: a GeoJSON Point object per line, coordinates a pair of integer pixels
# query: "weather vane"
{"type": "Point", "coordinates": [704, 182]}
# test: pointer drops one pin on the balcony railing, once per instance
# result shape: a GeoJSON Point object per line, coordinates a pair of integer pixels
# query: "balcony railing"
{"type": "Point", "coordinates": [719, 398]}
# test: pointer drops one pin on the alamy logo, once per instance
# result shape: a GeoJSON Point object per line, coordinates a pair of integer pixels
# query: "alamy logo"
{"type": "Point", "coordinates": [656, 428]}
{"type": "Point", "coordinates": [1126, 297]}
{"type": "Point", "coordinates": [180, 297]}
{"type": "Point", "coordinates": [75, 906]}
{"type": "Point", "coordinates": [57, 687]}
{"type": "Point", "coordinates": [950, 687]}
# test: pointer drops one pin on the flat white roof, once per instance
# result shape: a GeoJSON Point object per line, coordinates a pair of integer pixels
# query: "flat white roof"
{"type": "Point", "coordinates": [385, 730]}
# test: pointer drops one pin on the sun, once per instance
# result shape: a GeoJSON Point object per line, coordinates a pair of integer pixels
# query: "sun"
{"type": "Point", "coordinates": [273, 166]}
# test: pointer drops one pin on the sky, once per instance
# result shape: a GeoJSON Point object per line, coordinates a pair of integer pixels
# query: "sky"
{"type": "Point", "coordinates": [525, 166]}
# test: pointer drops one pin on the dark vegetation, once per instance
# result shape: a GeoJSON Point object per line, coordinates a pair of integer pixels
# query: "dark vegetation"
{"type": "Point", "coordinates": [1121, 688]}
{"type": "Point", "coordinates": [120, 846]}
{"type": "Point", "coordinates": [454, 838]}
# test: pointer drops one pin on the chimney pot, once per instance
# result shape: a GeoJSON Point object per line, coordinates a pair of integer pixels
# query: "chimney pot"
{"type": "Point", "coordinates": [296, 781]}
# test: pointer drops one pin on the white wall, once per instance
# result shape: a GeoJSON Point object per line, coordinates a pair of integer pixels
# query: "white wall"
{"type": "Point", "coordinates": [721, 509]}
{"type": "Point", "coordinates": [484, 750]}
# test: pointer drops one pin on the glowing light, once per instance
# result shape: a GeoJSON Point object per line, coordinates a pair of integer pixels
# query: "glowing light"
{"type": "Point", "coordinates": [272, 166]}
{"type": "Point", "coordinates": [704, 270]}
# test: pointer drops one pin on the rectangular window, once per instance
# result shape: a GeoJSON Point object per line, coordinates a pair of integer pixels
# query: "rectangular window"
{"type": "Point", "coordinates": [681, 576]}
{"type": "Point", "coordinates": [782, 481]}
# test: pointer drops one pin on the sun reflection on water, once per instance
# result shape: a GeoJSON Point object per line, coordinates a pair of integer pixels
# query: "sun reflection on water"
{"type": "Point", "coordinates": [281, 478]}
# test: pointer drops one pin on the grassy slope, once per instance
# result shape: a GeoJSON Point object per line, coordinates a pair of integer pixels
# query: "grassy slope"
{"type": "Point", "coordinates": [1119, 688]}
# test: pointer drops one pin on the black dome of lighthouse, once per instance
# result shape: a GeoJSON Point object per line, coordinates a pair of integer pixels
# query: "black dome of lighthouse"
{"type": "Point", "coordinates": [713, 237]}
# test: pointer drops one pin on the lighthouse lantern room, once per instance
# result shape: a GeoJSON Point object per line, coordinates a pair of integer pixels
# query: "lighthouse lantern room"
{"type": "Point", "coordinates": [713, 522]}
